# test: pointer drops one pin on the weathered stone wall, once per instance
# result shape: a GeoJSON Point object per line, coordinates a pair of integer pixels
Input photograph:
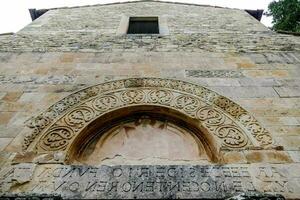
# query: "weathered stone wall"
{"type": "Point", "coordinates": [225, 50]}
{"type": "Point", "coordinates": [192, 28]}
{"type": "Point", "coordinates": [267, 84]}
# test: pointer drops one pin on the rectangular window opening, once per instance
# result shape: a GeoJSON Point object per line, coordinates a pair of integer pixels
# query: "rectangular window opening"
{"type": "Point", "coordinates": [143, 25]}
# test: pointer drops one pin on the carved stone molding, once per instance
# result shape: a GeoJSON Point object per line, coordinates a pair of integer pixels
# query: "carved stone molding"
{"type": "Point", "coordinates": [227, 123]}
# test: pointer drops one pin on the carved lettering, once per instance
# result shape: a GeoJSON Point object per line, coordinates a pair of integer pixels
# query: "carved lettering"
{"type": "Point", "coordinates": [117, 172]}
{"type": "Point", "coordinates": [149, 186]}
{"type": "Point", "coordinates": [101, 186]}
{"type": "Point", "coordinates": [138, 187]}
{"type": "Point", "coordinates": [237, 184]}
{"type": "Point", "coordinates": [74, 186]}
{"type": "Point", "coordinates": [205, 186]}
{"type": "Point", "coordinates": [164, 181]}
{"type": "Point", "coordinates": [113, 187]}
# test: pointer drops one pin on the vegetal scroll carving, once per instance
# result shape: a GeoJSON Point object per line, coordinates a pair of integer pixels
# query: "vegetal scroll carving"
{"type": "Point", "coordinates": [57, 138]}
{"type": "Point", "coordinates": [226, 121]}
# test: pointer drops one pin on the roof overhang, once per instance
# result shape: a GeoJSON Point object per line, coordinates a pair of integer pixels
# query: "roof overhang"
{"type": "Point", "coordinates": [257, 14]}
{"type": "Point", "coordinates": [36, 13]}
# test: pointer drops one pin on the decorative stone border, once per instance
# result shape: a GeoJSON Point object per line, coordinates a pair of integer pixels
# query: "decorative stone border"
{"type": "Point", "coordinates": [230, 126]}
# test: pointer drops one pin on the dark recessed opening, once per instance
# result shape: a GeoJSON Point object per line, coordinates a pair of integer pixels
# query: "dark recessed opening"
{"type": "Point", "coordinates": [143, 25]}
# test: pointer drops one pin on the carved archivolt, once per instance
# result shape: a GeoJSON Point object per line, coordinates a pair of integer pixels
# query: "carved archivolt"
{"type": "Point", "coordinates": [229, 125]}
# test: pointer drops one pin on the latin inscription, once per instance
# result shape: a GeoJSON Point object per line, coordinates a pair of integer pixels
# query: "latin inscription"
{"type": "Point", "coordinates": [157, 181]}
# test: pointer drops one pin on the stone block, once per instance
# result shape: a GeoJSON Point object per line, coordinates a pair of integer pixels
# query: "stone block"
{"type": "Point", "coordinates": [288, 142]}
{"type": "Point", "coordinates": [274, 102]}
{"type": "Point", "coordinates": [246, 65]}
{"type": "Point", "coordinates": [5, 56]}
{"type": "Point", "coordinates": [10, 131]}
{"type": "Point", "coordinates": [12, 96]}
{"type": "Point", "coordinates": [253, 156]}
{"type": "Point", "coordinates": [288, 91]}
{"type": "Point", "coordinates": [264, 82]}
{"type": "Point", "coordinates": [31, 97]}
{"type": "Point", "coordinates": [19, 119]}
{"type": "Point", "coordinates": [274, 58]}
{"type": "Point", "coordinates": [280, 73]}
{"type": "Point", "coordinates": [222, 82]}
{"type": "Point", "coordinates": [23, 172]}
{"type": "Point", "coordinates": [15, 107]}
{"type": "Point", "coordinates": [67, 57]}
{"type": "Point", "coordinates": [283, 121]}
{"type": "Point", "coordinates": [2, 94]}
{"type": "Point", "coordinates": [5, 117]}
{"type": "Point", "coordinates": [295, 156]}
{"type": "Point", "coordinates": [4, 142]}
{"type": "Point", "coordinates": [279, 130]}
{"type": "Point", "coordinates": [290, 58]}
{"type": "Point", "coordinates": [270, 111]}
{"type": "Point", "coordinates": [16, 141]}
{"type": "Point", "coordinates": [246, 92]}
{"type": "Point", "coordinates": [27, 57]}
{"type": "Point", "coordinates": [159, 181]}
{"type": "Point", "coordinates": [289, 82]}
{"type": "Point", "coordinates": [257, 196]}
{"type": "Point", "coordinates": [258, 58]}
{"type": "Point", "coordinates": [234, 157]}
{"type": "Point", "coordinates": [5, 159]}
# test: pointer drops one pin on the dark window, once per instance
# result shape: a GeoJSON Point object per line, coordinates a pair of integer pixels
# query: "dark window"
{"type": "Point", "coordinates": [143, 25]}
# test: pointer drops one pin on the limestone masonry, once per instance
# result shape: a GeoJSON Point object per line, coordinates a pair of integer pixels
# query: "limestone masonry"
{"type": "Point", "coordinates": [207, 108]}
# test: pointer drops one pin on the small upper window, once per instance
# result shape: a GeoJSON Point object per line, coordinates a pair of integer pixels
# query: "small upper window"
{"type": "Point", "coordinates": [143, 25]}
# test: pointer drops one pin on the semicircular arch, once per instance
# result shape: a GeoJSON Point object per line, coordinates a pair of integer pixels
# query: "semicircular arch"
{"type": "Point", "coordinates": [225, 124]}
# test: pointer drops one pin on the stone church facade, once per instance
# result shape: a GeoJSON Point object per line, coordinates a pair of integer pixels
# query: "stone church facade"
{"type": "Point", "coordinates": [207, 107]}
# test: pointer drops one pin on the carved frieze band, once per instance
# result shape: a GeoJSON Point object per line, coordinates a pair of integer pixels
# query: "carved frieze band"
{"type": "Point", "coordinates": [234, 127]}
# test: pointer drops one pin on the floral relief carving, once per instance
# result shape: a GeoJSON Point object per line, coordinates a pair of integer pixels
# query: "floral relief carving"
{"type": "Point", "coordinates": [187, 103]}
{"type": "Point", "coordinates": [56, 139]}
{"type": "Point", "coordinates": [37, 125]}
{"type": "Point", "coordinates": [160, 96]}
{"type": "Point", "coordinates": [133, 96]}
{"type": "Point", "coordinates": [232, 136]}
{"type": "Point", "coordinates": [219, 115]}
{"type": "Point", "coordinates": [155, 83]}
{"type": "Point", "coordinates": [264, 138]}
{"type": "Point", "coordinates": [216, 121]}
{"type": "Point", "coordinates": [259, 133]}
{"type": "Point", "coordinates": [105, 102]}
{"type": "Point", "coordinates": [78, 117]}
{"type": "Point", "coordinates": [230, 107]}
{"type": "Point", "coordinates": [210, 116]}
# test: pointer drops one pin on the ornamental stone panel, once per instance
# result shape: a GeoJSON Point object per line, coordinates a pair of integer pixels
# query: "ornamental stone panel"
{"type": "Point", "coordinates": [221, 123]}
